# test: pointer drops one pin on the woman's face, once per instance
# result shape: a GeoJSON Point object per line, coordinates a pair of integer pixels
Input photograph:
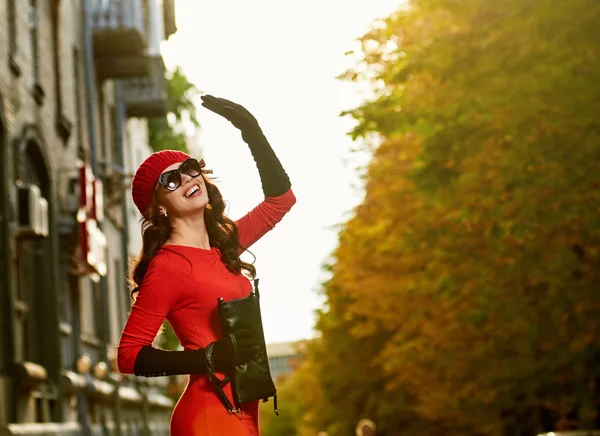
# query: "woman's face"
{"type": "Point", "coordinates": [190, 198]}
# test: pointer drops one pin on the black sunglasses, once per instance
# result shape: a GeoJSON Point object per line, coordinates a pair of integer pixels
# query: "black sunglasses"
{"type": "Point", "coordinates": [171, 180]}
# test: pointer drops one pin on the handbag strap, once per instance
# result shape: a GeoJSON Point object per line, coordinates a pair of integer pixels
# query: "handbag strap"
{"type": "Point", "coordinates": [210, 372]}
{"type": "Point", "coordinates": [256, 288]}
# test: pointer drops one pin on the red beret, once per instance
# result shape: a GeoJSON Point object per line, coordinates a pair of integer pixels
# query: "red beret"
{"type": "Point", "coordinates": [145, 178]}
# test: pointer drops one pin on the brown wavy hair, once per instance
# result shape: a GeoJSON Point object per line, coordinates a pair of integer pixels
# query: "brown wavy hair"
{"type": "Point", "coordinates": [222, 233]}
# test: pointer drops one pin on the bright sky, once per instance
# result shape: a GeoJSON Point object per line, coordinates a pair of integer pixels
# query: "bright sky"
{"type": "Point", "coordinates": [279, 59]}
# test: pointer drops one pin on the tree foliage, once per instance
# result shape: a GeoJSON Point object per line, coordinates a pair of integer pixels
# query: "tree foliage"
{"type": "Point", "coordinates": [168, 132]}
{"type": "Point", "coordinates": [463, 297]}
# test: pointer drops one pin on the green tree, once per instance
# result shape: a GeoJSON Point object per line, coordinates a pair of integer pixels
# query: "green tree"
{"type": "Point", "coordinates": [465, 285]}
{"type": "Point", "coordinates": [168, 132]}
{"type": "Point", "coordinates": [286, 423]}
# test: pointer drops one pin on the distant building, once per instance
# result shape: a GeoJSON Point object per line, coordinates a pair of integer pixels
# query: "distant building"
{"type": "Point", "coordinates": [284, 357]}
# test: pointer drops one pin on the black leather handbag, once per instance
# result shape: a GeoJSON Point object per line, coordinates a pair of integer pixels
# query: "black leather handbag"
{"type": "Point", "coordinates": [252, 380]}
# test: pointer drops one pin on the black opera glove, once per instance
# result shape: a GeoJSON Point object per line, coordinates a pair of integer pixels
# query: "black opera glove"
{"type": "Point", "coordinates": [238, 115]}
{"type": "Point", "coordinates": [274, 179]}
{"type": "Point", "coordinates": [227, 352]}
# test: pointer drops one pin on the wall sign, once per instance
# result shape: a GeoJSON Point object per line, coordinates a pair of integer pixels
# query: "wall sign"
{"type": "Point", "coordinates": [92, 241]}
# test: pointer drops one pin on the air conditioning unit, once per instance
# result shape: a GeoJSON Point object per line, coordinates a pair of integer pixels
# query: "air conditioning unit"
{"type": "Point", "coordinates": [32, 211]}
{"type": "Point", "coordinates": [43, 228]}
{"type": "Point", "coordinates": [71, 200]}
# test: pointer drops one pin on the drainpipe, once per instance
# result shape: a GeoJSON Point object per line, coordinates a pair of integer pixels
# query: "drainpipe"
{"type": "Point", "coordinates": [90, 80]}
{"type": "Point", "coordinates": [90, 84]}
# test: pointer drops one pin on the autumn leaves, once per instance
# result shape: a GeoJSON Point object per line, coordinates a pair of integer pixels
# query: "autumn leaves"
{"type": "Point", "coordinates": [464, 295]}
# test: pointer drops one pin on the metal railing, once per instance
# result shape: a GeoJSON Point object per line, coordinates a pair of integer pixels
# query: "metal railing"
{"type": "Point", "coordinates": [147, 96]}
{"type": "Point", "coordinates": [119, 24]}
{"type": "Point", "coordinates": [112, 14]}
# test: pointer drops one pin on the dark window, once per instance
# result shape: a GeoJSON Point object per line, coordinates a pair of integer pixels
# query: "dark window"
{"type": "Point", "coordinates": [98, 309]}
{"type": "Point", "coordinates": [56, 54]}
{"type": "Point", "coordinates": [38, 92]}
{"type": "Point", "coordinates": [105, 123]}
{"type": "Point", "coordinates": [64, 305]}
{"type": "Point", "coordinates": [88, 308]}
{"type": "Point", "coordinates": [77, 96]}
{"type": "Point", "coordinates": [63, 125]}
{"type": "Point", "coordinates": [73, 327]}
{"type": "Point", "coordinates": [31, 277]}
{"type": "Point", "coordinates": [33, 266]}
{"type": "Point", "coordinates": [33, 30]}
{"type": "Point", "coordinates": [12, 37]}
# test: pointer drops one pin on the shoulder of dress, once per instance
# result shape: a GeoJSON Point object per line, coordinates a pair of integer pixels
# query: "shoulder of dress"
{"type": "Point", "coordinates": [168, 268]}
{"type": "Point", "coordinates": [169, 260]}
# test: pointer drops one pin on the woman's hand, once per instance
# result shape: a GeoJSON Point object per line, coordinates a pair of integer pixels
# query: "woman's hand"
{"type": "Point", "coordinates": [238, 115]}
{"type": "Point", "coordinates": [224, 352]}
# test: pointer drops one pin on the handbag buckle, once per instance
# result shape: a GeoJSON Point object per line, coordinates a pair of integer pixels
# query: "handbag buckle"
{"type": "Point", "coordinates": [237, 412]}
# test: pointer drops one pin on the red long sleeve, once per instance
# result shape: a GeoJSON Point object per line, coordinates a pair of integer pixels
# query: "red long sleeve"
{"type": "Point", "coordinates": [256, 223]}
{"type": "Point", "coordinates": [159, 294]}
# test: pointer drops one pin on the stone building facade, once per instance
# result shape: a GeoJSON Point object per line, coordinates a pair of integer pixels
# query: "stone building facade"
{"type": "Point", "coordinates": [78, 79]}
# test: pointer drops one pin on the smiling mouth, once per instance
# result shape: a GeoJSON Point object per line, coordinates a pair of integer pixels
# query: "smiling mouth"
{"type": "Point", "coordinates": [193, 191]}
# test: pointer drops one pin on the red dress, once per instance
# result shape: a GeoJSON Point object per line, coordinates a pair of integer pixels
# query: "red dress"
{"type": "Point", "coordinates": [182, 285]}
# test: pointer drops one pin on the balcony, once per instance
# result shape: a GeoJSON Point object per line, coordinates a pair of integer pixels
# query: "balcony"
{"type": "Point", "coordinates": [120, 38]}
{"type": "Point", "coordinates": [147, 97]}
{"type": "Point", "coordinates": [169, 17]}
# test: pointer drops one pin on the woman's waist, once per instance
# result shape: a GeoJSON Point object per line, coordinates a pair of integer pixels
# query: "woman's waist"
{"type": "Point", "coordinates": [202, 382]}
{"type": "Point", "coordinates": [199, 384]}
{"type": "Point", "coordinates": [203, 390]}
{"type": "Point", "coordinates": [202, 379]}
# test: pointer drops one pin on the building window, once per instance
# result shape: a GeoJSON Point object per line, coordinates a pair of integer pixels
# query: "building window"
{"type": "Point", "coordinates": [91, 313]}
{"type": "Point", "coordinates": [77, 96]}
{"type": "Point", "coordinates": [34, 267]}
{"type": "Point", "coordinates": [99, 307]}
{"type": "Point", "coordinates": [12, 38]}
{"type": "Point", "coordinates": [86, 308]}
{"type": "Point", "coordinates": [70, 292]}
{"type": "Point", "coordinates": [104, 119]}
{"type": "Point", "coordinates": [30, 267]}
{"type": "Point", "coordinates": [63, 125]}
{"type": "Point", "coordinates": [38, 92]}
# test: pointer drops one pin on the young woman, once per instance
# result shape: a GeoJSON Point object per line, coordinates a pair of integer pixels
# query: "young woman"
{"type": "Point", "coordinates": [190, 258]}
